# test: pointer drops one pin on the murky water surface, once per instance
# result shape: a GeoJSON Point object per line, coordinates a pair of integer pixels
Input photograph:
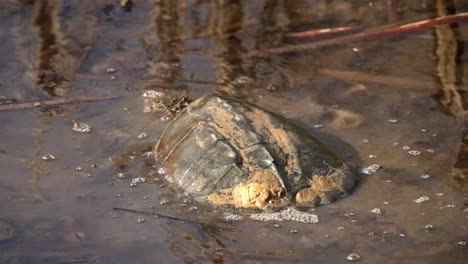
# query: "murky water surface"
{"type": "Point", "coordinates": [403, 108]}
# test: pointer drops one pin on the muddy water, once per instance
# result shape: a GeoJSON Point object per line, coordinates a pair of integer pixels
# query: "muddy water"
{"type": "Point", "coordinates": [410, 99]}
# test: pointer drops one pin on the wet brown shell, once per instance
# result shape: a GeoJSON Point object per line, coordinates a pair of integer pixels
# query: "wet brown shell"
{"type": "Point", "coordinates": [226, 151]}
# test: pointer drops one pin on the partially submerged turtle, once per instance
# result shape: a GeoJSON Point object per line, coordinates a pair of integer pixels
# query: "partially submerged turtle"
{"type": "Point", "coordinates": [230, 152]}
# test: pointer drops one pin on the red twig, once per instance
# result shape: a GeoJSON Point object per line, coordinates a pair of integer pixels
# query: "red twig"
{"type": "Point", "coordinates": [322, 32]}
{"type": "Point", "coordinates": [56, 101]}
{"type": "Point", "coordinates": [369, 34]}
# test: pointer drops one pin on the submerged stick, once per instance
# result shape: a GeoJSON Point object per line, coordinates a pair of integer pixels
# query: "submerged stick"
{"type": "Point", "coordinates": [161, 215]}
{"type": "Point", "coordinates": [360, 77]}
{"type": "Point", "coordinates": [56, 101]}
{"type": "Point", "coordinates": [321, 32]}
{"type": "Point", "coordinates": [379, 32]}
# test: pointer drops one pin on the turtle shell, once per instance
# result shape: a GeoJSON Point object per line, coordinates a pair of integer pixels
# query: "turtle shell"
{"type": "Point", "coordinates": [229, 152]}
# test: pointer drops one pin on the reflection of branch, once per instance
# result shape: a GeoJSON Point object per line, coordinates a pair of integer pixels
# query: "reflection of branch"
{"type": "Point", "coordinates": [360, 77]}
{"type": "Point", "coordinates": [56, 101]}
{"type": "Point", "coordinates": [322, 32]}
{"type": "Point", "coordinates": [379, 32]}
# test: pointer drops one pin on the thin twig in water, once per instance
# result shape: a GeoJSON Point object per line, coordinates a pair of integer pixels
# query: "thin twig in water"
{"type": "Point", "coordinates": [72, 262]}
{"type": "Point", "coordinates": [375, 33]}
{"type": "Point", "coordinates": [56, 101]}
{"type": "Point", "coordinates": [161, 215]}
{"type": "Point", "coordinates": [322, 32]}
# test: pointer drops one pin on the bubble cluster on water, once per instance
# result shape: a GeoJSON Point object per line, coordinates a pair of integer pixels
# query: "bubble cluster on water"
{"type": "Point", "coordinates": [372, 156]}
{"type": "Point", "coordinates": [370, 169]}
{"type": "Point", "coordinates": [81, 127]}
{"type": "Point", "coordinates": [353, 257]}
{"type": "Point", "coordinates": [142, 135]}
{"type": "Point", "coordinates": [48, 156]}
{"type": "Point", "coordinates": [428, 227]}
{"type": "Point", "coordinates": [425, 176]}
{"type": "Point", "coordinates": [164, 201]}
{"type": "Point", "coordinates": [317, 126]}
{"type": "Point", "coordinates": [414, 152]}
{"type": "Point", "coordinates": [243, 80]}
{"type": "Point", "coordinates": [137, 180]}
{"type": "Point", "coordinates": [111, 70]}
{"type": "Point", "coordinates": [461, 243]}
{"type": "Point", "coordinates": [121, 175]}
{"type": "Point", "coordinates": [231, 217]}
{"type": "Point", "coordinates": [140, 220]}
{"type": "Point", "coordinates": [78, 168]}
{"type": "Point", "coordinates": [287, 214]}
{"type": "Point", "coordinates": [152, 94]}
{"type": "Point", "coordinates": [376, 211]}
{"type": "Point", "coordinates": [392, 121]}
{"type": "Point", "coordinates": [422, 199]}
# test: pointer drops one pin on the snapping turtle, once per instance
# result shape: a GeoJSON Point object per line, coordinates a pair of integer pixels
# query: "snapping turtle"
{"type": "Point", "coordinates": [230, 152]}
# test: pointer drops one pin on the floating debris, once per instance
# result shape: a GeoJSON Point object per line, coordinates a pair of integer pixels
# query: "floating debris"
{"type": "Point", "coordinates": [414, 152]}
{"type": "Point", "coordinates": [440, 194]}
{"type": "Point", "coordinates": [430, 151]}
{"type": "Point", "coordinates": [353, 257]}
{"type": "Point", "coordinates": [402, 235]}
{"type": "Point", "coordinates": [422, 199]}
{"type": "Point", "coordinates": [461, 243]}
{"type": "Point", "coordinates": [293, 231]}
{"type": "Point", "coordinates": [276, 225]}
{"type": "Point", "coordinates": [392, 121]}
{"type": "Point", "coordinates": [78, 168]}
{"type": "Point", "coordinates": [142, 135]}
{"type": "Point", "coordinates": [405, 148]}
{"type": "Point", "coordinates": [466, 210]}
{"type": "Point", "coordinates": [140, 220]}
{"type": "Point", "coordinates": [164, 201]}
{"type": "Point", "coordinates": [365, 140]}
{"type": "Point", "coordinates": [450, 206]}
{"type": "Point", "coordinates": [48, 156]}
{"type": "Point", "coordinates": [119, 195]}
{"type": "Point", "coordinates": [288, 214]}
{"type": "Point", "coordinates": [376, 211]}
{"type": "Point", "coordinates": [137, 180]}
{"type": "Point", "coordinates": [396, 143]}
{"type": "Point", "coordinates": [372, 156]}
{"type": "Point", "coordinates": [386, 203]}
{"type": "Point", "coordinates": [371, 169]}
{"type": "Point", "coordinates": [318, 126]}
{"type": "Point", "coordinates": [231, 217]}
{"type": "Point", "coordinates": [423, 130]}
{"type": "Point", "coordinates": [121, 175]}
{"type": "Point", "coordinates": [341, 228]}
{"type": "Point", "coordinates": [425, 176]}
{"type": "Point", "coordinates": [81, 127]}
